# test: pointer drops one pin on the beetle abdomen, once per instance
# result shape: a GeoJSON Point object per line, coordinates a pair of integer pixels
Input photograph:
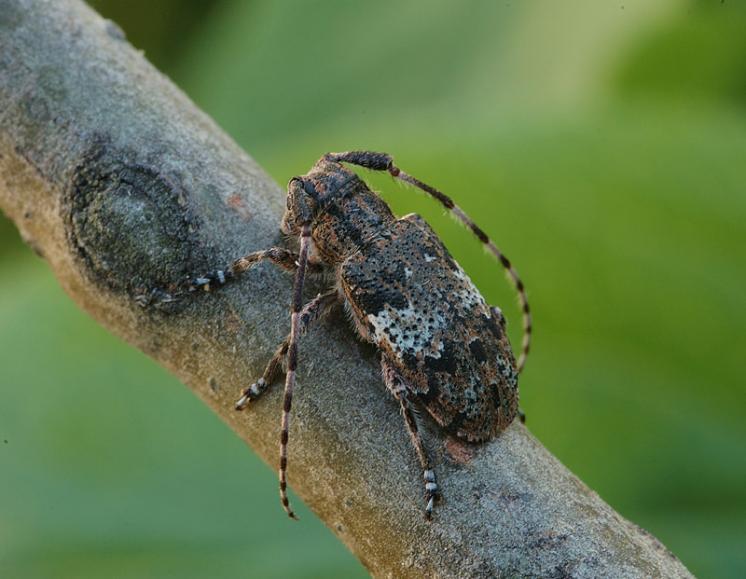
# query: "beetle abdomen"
{"type": "Point", "coordinates": [412, 300]}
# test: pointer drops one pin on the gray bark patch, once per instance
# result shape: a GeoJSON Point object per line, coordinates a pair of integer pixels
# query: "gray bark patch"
{"type": "Point", "coordinates": [129, 223]}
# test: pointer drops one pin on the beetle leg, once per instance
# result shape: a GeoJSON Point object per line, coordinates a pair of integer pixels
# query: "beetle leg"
{"type": "Point", "coordinates": [401, 392]}
{"type": "Point", "coordinates": [311, 313]}
{"type": "Point", "coordinates": [219, 277]}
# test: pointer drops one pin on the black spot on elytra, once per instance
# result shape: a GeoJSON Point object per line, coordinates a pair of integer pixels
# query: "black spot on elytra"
{"type": "Point", "coordinates": [448, 360]}
{"type": "Point", "coordinates": [477, 350]}
{"type": "Point", "coordinates": [496, 398]}
{"type": "Point", "coordinates": [373, 302]}
{"type": "Point", "coordinates": [394, 274]}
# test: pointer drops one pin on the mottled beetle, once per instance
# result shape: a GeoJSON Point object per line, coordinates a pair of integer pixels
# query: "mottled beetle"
{"type": "Point", "coordinates": [441, 345]}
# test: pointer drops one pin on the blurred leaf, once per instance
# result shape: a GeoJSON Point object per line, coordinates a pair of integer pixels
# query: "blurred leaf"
{"type": "Point", "coordinates": [274, 71]}
{"type": "Point", "coordinates": [10, 241]}
{"type": "Point", "coordinates": [699, 56]}
{"type": "Point", "coordinates": [161, 29]}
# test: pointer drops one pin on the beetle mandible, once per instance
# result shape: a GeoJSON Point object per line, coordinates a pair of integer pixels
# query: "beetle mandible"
{"type": "Point", "coordinates": [441, 345]}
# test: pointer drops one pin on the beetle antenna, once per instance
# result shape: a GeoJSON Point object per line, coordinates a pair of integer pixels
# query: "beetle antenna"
{"type": "Point", "coordinates": [292, 358]}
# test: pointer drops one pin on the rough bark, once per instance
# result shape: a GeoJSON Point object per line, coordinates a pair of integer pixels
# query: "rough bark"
{"type": "Point", "coordinates": [123, 186]}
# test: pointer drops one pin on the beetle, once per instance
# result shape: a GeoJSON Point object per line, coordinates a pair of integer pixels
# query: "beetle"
{"type": "Point", "coordinates": [441, 346]}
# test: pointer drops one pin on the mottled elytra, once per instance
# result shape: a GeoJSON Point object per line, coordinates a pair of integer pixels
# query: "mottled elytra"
{"type": "Point", "coordinates": [441, 346]}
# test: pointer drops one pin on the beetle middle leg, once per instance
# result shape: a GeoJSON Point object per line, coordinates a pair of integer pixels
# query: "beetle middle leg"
{"type": "Point", "coordinates": [311, 313]}
{"type": "Point", "coordinates": [398, 389]}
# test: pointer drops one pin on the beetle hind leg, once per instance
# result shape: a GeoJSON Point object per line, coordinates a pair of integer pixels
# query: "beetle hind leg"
{"type": "Point", "coordinates": [396, 385]}
{"type": "Point", "coordinates": [271, 373]}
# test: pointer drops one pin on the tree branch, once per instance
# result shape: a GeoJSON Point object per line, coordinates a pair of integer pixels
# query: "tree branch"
{"type": "Point", "coordinates": [124, 187]}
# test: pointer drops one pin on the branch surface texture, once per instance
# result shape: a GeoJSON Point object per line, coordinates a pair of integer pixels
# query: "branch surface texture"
{"type": "Point", "coordinates": [124, 187]}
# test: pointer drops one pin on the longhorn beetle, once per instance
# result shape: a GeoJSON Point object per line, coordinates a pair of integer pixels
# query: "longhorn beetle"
{"type": "Point", "coordinates": [441, 345]}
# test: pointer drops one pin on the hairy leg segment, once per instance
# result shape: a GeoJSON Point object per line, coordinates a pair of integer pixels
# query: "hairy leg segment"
{"type": "Point", "coordinates": [313, 311]}
{"type": "Point", "coordinates": [284, 258]}
{"type": "Point", "coordinates": [399, 390]}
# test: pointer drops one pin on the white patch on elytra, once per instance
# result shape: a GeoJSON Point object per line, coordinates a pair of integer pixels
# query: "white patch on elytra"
{"type": "Point", "coordinates": [468, 294]}
{"type": "Point", "coordinates": [405, 330]}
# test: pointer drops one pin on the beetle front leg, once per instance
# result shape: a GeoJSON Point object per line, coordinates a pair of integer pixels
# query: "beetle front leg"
{"type": "Point", "coordinates": [284, 258]}
{"type": "Point", "coordinates": [312, 312]}
{"type": "Point", "coordinates": [401, 392]}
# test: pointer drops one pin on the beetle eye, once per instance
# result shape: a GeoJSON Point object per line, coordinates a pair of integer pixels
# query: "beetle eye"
{"type": "Point", "coordinates": [309, 188]}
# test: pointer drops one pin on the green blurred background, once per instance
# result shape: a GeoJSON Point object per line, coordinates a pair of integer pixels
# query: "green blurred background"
{"type": "Point", "coordinates": [602, 144]}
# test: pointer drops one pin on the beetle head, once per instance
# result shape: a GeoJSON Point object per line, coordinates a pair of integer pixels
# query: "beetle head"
{"type": "Point", "coordinates": [310, 194]}
{"type": "Point", "coordinates": [300, 206]}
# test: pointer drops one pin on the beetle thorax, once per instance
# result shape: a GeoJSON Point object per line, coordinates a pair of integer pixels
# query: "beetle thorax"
{"type": "Point", "coordinates": [348, 215]}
